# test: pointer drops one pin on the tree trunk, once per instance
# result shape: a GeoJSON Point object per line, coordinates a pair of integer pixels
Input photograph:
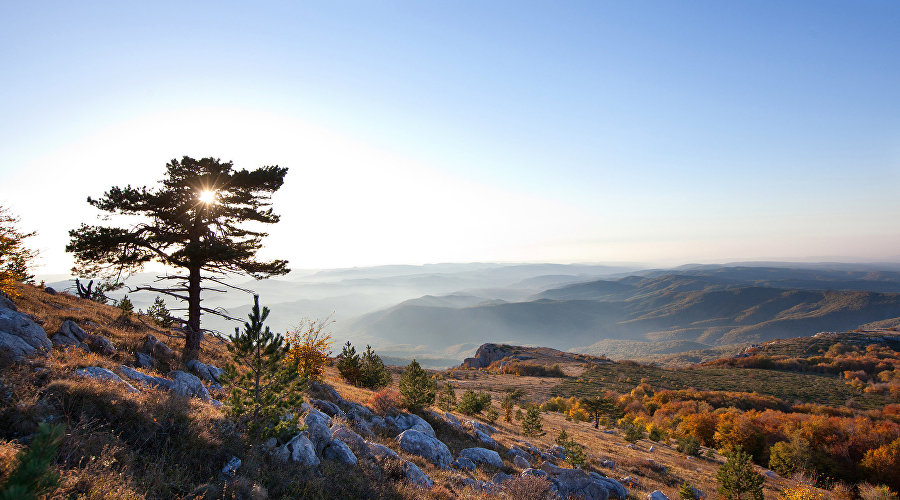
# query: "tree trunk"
{"type": "Point", "coordinates": [193, 336]}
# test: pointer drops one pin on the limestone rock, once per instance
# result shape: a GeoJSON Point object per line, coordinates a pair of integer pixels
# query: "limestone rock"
{"type": "Point", "coordinates": [576, 482]}
{"type": "Point", "coordinates": [156, 348]}
{"type": "Point", "coordinates": [99, 373]}
{"type": "Point", "coordinates": [382, 451]}
{"type": "Point", "coordinates": [407, 421]}
{"type": "Point", "coordinates": [231, 467]}
{"type": "Point", "coordinates": [100, 344]}
{"type": "Point", "coordinates": [485, 355]}
{"type": "Point", "coordinates": [428, 447]}
{"type": "Point", "coordinates": [21, 325]}
{"type": "Point", "coordinates": [328, 408]}
{"type": "Point", "coordinates": [206, 372]}
{"type": "Point", "coordinates": [657, 495]}
{"type": "Point", "coordinates": [464, 463]}
{"type": "Point", "coordinates": [478, 426]}
{"type": "Point", "coordinates": [414, 474]}
{"type": "Point", "coordinates": [66, 341]}
{"type": "Point", "coordinates": [520, 462]}
{"type": "Point", "coordinates": [14, 347]}
{"type": "Point", "coordinates": [71, 329]}
{"type": "Point", "coordinates": [162, 383]}
{"type": "Point", "coordinates": [351, 439]}
{"type": "Point", "coordinates": [482, 456]}
{"type": "Point", "coordinates": [338, 450]}
{"type": "Point", "coordinates": [143, 360]}
{"type": "Point", "coordinates": [533, 473]}
{"type": "Point", "coordinates": [300, 450]}
{"type": "Point", "coordinates": [186, 384]}
{"type": "Point", "coordinates": [500, 477]}
{"type": "Point", "coordinates": [483, 438]}
{"type": "Point", "coordinates": [318, 431]}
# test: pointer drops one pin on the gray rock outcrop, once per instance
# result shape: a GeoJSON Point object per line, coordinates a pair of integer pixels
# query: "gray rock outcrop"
{"type": "Point", "coordinates": [14, 324]}
{"type": "Point", "coordinates": [414, 474]}
{"type": "Point", "coordinates": [351, 439]}
{"type": "Point", "coordinates": [98, 343]}
{"type": "Point", "coordinates": [317, 428]}
{"type": "Point", "coordinates": [482, 456]}
{"type": "Point", "coordinates": [300, 450]}
{"type": "Point", "coordinates": [98, 373]}
{"type": "Point", "coordinates": [338, 450]}
{"type": "Point", "coordinates": [576, 482]}
{"type": "Point", "coordinates": [381, 451]}
{"type": "Point", "coordinates": [657, 495]}
{"type": "Point", "coordinates": [485, 355]}
{"type": "Point", "coordinates": [521, 462]}
{"type": "Point", "coordinates": [186, 384]}
{"type": "Point", "coordinates": [158, 382]}
{"type": "Point", "coordinates": [464, 463]}
{"type": "Point", "coordinates": [425, 446]}
{"type": "Point", "coordinates": [407, 421]}
{"type": "Point", "coordinates": [156, 348]}
{"type": "Point", "coordinates": [206, 372]}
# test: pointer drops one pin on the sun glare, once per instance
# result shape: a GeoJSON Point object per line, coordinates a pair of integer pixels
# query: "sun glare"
{"type": "Point", "coordinates": [207, 196]}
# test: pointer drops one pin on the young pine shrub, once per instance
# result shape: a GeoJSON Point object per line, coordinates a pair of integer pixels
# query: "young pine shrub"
{"type": "Point", "coordinates": [574, 454]}
{"type": "Point", "coordinates": [472, 402]}
{"type": "Point", "coordinates": [348, 364]}
{"type": "Point", "coordinates": [531, 422]}
{"type": "Point", "coordinates": [265, 382]}
{"type": "Point", "coordinates": [446, 399]}
{"type": "Point", "coordinates": [737, 479]}
{"type": "Point", "coordinates": [373, 373]}
{"type": "Point", "coordinates": [34, 476]}
{"type": "Point", "coordinates": [417, 389]}
{"type": "Point", "coordinates": [491, 414]}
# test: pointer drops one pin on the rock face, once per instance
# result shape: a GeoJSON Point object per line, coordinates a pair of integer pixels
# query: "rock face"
{"type": "Point", "coordinates": [317, 428]}
{"type": "Point", "coordinates": [351, 439]}
{"type": "Point", "coordinates": [430, 448]}
{"type": "Point", "coordinates": [482, 456]}
{"type": "Point", "coordinates": [382, 451]}
{"type": "Point", "coordinates": [521, 463]}
{"type": "Point", "coordinates": [143, 360]}
{"type": "Point", "coordinates": [485, 355]}
{"type": "Point", "coordinates": [99, 373]}
{"type": "Point", "coordinates": [414, 474]}
{"type": "Point", "coordinates": [188, 385]}
{"type": "Point", "coordinates": [657, 495]}
{"type": "Point", "coordinates": [576, 482]}
{"type": "Point", "coordinates": [100, 344]}
{"type": "Point", "coordinates": [407, 421]}
{"type": "Point", "coordinates": [20, 336]}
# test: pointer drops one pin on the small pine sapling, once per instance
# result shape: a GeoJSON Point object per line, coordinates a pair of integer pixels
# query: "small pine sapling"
{"type": "Point", "coordinates": [686, 491]}
{"type": "Point", "coordinates": [737, 478]}
{"type": "Point", "coordinates": [446, 400]}
{"type": "Point", "coordinates": [563, 437]}
{"type": "Point", "coordinates": [348, 364]}
{"type": "Point", "coordinates": [491, 414]}
{"type": "Point", "coordinates": [373, 375]}
{"type": "Point", "coordinates": [531, 422]}
{"type": "Point", "coordinates": [265, 382]}
{"type": "Point", "coordinates": [574, 454]}
{"type": "Point", "coordinates": [34, 476]}
{"type": "Point", "coordinates": [160, 314]}
{"type": "Point", "coordinates": [417, 389]}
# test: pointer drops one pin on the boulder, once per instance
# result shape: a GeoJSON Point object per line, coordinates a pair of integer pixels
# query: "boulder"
{"type": "Point", "coordinates": [96, 372]}
{"type": "Point", "coordinates": [159, 382]}
{"type": "Point", "coordinates": [407, 421]}
{"type": "Point", "coordinates": [328, 408]}
{"type": "Point", "coordinates": [382, 451]}
{"type": "Point", "coordinates": [143, 360]}
{"type": "Point", "coordinates": [500, 477]}
{"type": "Point", "coordinates": [7, 303]}
{"type": "Point", "coordinates": [609, 464]}
{"type": "Point", "coordinates": [71, 329]}
{"type": "Point", "coordinates": [657, 495]}
{"type": "Point", "coordinates": [156, 348]}
{"type": "Point", "coordinates": [65, 341]}
{"type": "Point", "coordinates": [464, 463]}
{"type": "Point", "coordinates": [576, 482]}
{"type": "Point", "coordinates": [351, 439]}
{"type": "Point", "coordinates": [100, 344]}
{"type": "Point", "coordinates": [338, 450]}
{"type": "Point", "coordinates": [516, 451]}
{"type": "Point", "coordinates": [533, 473]}
{"type": "Point", "coordinates": [206, 372]}
{"type": "Point", "coordinates": [300, 450]}
{"type": "Point", "coordinates": [478, 426]}
{"type": "Point", "coordinates": [483, 438]}
{"type": "Point", "coordinates": [360, 424]}
{"type": "Point", "coordinates": [50, 290]}
{"type": "Point", "coordinates": [482, 456]}
{"type": "Point", "coordinates": [358, 409]}
{"type": "Point", "coordinates": [428, 447]}
{"type": "Point", "coordinates": [557, 451]}
{"type": "Point", "coordinates": [414, 474]}
{"type": "Point", "coordinates": [318, 430]}
{"type": "Point", "coordinates": [24, 327]}
{"type": "Point", "coordinates": [14, 347]}
{"type": "Point", "coordinates": [313, 415]}
{"type": "Point", "coordinates": [231, 468]}
{"type": "Point", "coordinates": [521, 462]}
{"type": "Point", "coordinates": [186, 384]}
{"type": "Point", "coordinates": [452, 420]}
{"type": "Point", "coordinates": [651, 449]}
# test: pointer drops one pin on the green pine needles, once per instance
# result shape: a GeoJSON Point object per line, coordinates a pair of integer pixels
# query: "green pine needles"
{"type": "Point", "coordinates": [416, 387]}
{"type": "Point", "coordinates": [737, 478]}
{"type": "Point", "coordinates": [34, 476]}
{"type": "Point", "coordinates": [366, 370]}
{"type": "Point", "coordinates": [264, 386]}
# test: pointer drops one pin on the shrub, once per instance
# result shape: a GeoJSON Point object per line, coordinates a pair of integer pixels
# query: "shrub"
{"type": "Point", "coordinates": [384, 401]}
{"type": "Point", "coordinates": [574, 454]}
{"type": "Point", "coordinates": [15, 258]}
{"type": "Point", "coordinates": [268, 385]}
{"type": "Point", "coordinates": [737, 479]}
{"type": "Point", "coordinates": [125, 307]}
{"type": "Point", "coordinates": [373, 373]}
{"type": "Point", "coordinates": [633, 433]}
{"type": "Point", "coordinates": [871, 492]}
{"type": "Point", "coordinates": [473, 402]}
{"type": "Point", "coordinates": [686, 491]}
{"type": "Point", "coordinates": [416, 388]}
{"type": "Point", "coordinates": [34, 476]}
{"type": "Point", "coordinates": [563, 438]}
{"type": "Point", "coordinates": [531, 422]}
{"type": "Point", "coordinates": [446, 400]}
{"type": "Point", "coordinates": [309, 347]}
{"type": "Point", "coordinates": [159, 313]}
{"type": "Point", "coordinates": [526, 488]}
{"type": "Point", "coordinates": [491, 414]}
{"type": "Point", "coordinates": [348, 364]}
{"type": "Point", "coordinates": [689, 446]}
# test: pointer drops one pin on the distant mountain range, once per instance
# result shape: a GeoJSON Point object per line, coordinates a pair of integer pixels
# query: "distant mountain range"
{"type": "Point", "coordinates": [440, 313]}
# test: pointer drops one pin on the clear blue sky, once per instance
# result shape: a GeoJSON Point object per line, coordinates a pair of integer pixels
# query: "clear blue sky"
{"type": "Point", "coordinates": [452, 131]}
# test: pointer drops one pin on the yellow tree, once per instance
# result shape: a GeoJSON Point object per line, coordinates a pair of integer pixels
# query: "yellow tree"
{"type": "Point", "coordinates": [310, 347]}
{"type": "Point", "coordinates": [15, 258]}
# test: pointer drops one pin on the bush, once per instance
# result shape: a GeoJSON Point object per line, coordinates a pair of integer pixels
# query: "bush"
{"type": "Point", "coordinates": [34, 476]}
{"type": "Point", "coordinates": [416, 388]}
{"type": "Point", "coordinates": [473, 402]}
{"type": "Point", "coordinates": [686, 491]}
{"type": "Point", "coordinates": [871, 492]}
{"type": "Point", "coordinates": [309, 348]}
{"type": "Point", "coordinates": [348, 364]}
{"type": "Point", "coordinates": [574, 454]}
{"type": "Point", "coordinates": [689, 446]}
{"type": "Point", "coordinates": [737, 478]}
{"type": "Point", "coordinates": [491, 414]}
{"type": "Point", "coordinates": [633, 433]}
{"type": "Point", "coordinates": [531, 422]}
{"type": "Point", "coordinates": [267, 385]}
{"type": "Point", "coordinates": [373, 373]}
{"type": "Point", "coordinates": [384, 401]}
{"type": "Point", "coordinates": [446, 400]}
{"type": "Point", "coordinates": [159, 313]}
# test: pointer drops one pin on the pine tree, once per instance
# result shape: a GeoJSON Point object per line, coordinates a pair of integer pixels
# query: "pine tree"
{"type": "Point", "coordinates": [374, 375]}
{"type": "Point", "coordinates": [160, 313]}
{"type": "Point", "coordinates": [264, 384]}
{"type": "Point", "coordinates": [125, 307]}
{"type": "Point", "coordinates": [348, 364]}
{"type": "Point", "coordinates": [737, 479]}
{"type": "Point", "coordinates": [686, 491]}
{"type": "Point", "coordinates": [563, 438]}
{"type": "Point", "coordinates": [531, 422]}
{"type": "Point", "coordinates": [33, 476]}
{"type": "Point", "coordinates": [491, 414]}
{"type": "Point", "coordinates": [15, 257]}
{"type": "Point", "coordinates": [574, 454]}
{"type": "Point", "coordinates": [446, 400]}
{"type": "Point", "coordinates": [416, 387]}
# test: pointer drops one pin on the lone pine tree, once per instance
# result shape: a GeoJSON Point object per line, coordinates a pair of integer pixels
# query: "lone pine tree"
{"type": "Point", "coordinates": [194, 221]}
